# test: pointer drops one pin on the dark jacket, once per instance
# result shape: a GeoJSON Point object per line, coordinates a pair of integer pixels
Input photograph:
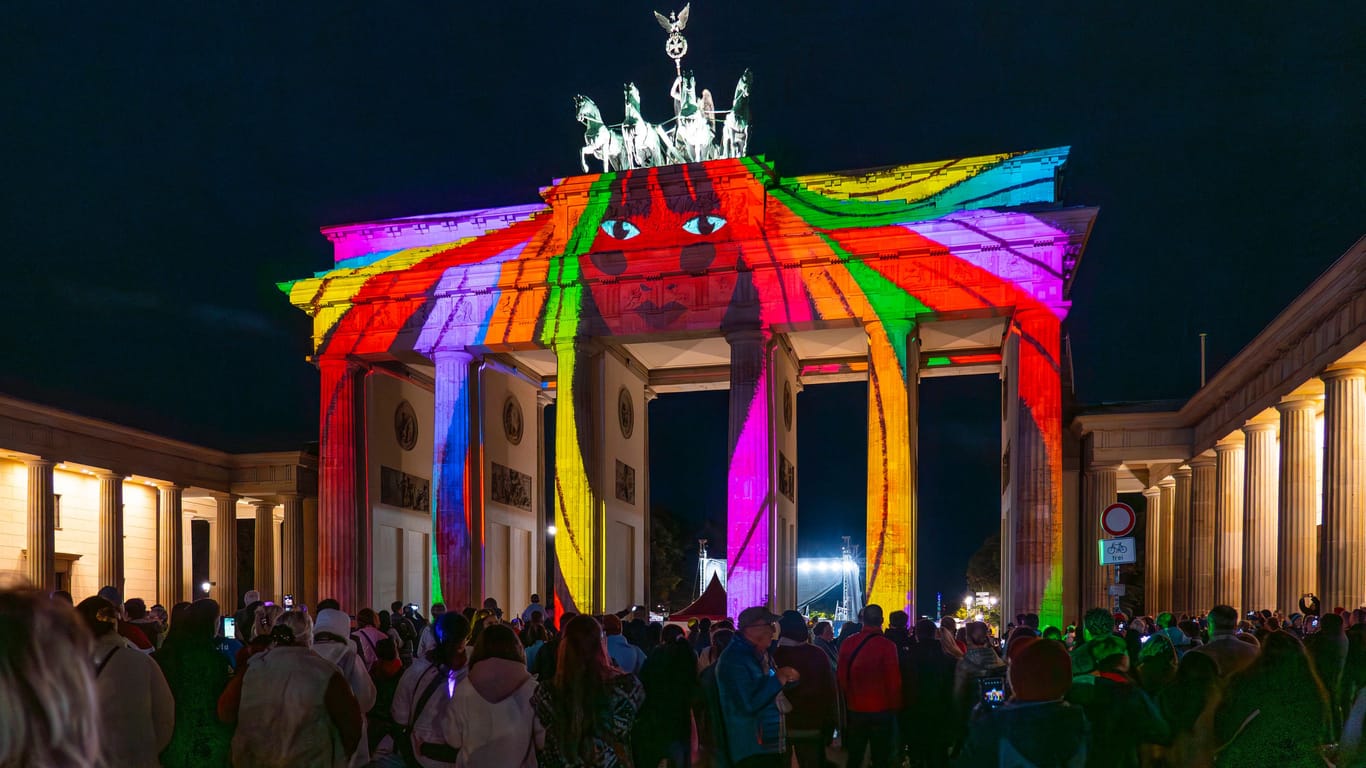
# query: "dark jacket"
{"type": "Point", "coordinates": [1049, 734]}
{"type": "Point", "coordinates": [813, 698]}
{"type": "Point", "coordinates": [1122, 717]}
{"type": "Point", "coordinates": [670, 679]}
{"type": "Point", "coordinates": [748, 690]}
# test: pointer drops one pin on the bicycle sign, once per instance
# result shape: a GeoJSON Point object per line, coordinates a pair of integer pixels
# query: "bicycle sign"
{"type": "Point", "coordinates": [1118, 551]}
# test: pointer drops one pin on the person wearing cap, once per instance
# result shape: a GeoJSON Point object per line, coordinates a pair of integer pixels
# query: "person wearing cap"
{"type": "Point", "coordinates": [870, 677]}
{"type": "Point", "coordinates": [813, 718]}
{"type": "Point", "coordinates": [1036, 727]}
{"type": "Point", "coordinates": [1120, 713]}
{"type": "Point", "coordinates": [748, 685]}
{"type": "Point", "coordinates": [626, 657]}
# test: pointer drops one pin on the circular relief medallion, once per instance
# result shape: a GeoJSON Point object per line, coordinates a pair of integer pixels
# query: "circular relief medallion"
{"type": "Point", "coordinates": [405, 425]}
{"type": "Point", "coordinates": [512, 420]}
{"type": "Point", "coordinates": [787, 405]}
{"type": "Point", "coordinates": [626, 413]}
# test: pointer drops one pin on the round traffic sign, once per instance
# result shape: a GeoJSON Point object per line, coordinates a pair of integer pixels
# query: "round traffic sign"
{"type": "Point", "coordinates": [1118, 519]}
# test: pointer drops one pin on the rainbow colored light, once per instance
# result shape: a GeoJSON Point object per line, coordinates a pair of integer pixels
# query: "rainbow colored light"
{"type": "Point", "coordinates": [717, 247]}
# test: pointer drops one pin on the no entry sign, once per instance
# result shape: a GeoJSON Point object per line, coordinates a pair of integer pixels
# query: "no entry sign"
{"type": "Point", "coordinates": [1118, 519]}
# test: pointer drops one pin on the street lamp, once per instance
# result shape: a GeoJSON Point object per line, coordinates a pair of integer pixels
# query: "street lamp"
{"type": "Point", "coordinates": [205, 587]}
{"type": "Point", "coordinates": [550, 530]}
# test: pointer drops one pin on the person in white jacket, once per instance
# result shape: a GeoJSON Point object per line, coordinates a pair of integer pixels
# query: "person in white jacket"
{"type": "Point", "coordinates": [489, 718]}
{"type": "Point", "coordinates": [329, 642]}
{"type": "Point", "coordinates": [425, 690]}
{"type": "Point", "coordinates": [137, 712]}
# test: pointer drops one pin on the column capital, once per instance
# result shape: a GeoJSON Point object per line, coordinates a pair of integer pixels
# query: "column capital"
{"type": "Point", "coordinates": [1167, 482]}
{"type": "Point", "coordinates": [1104, 467]}
{"type": "Point", "coordinates": [227, 496]}
{"type": "Point", "coordinates": [1181, 471]}
{"type": "Point", "coordinates": [265, 503]}
{"type": "Point", "coordinates": [1205, 459]}
{"type": "Point", "coordinates": [169, 486]}
{"type": "Point", "coordinates": [1343, 372]}
{"type": "Point", "coordinates": [110, 474]}
{"type": "Point", "coordinates": [1256, 427]}
{"type": "Point", "coordinates": [1293, 403]}
{"type": "Point", "coordinates": [41, 462]}
{"type": "Point", "coordinates": [1232, 441]}
{"type": "Point", "coordinates": [1152, 493]}
{"type": "Point", "coordinates": [456, 354]}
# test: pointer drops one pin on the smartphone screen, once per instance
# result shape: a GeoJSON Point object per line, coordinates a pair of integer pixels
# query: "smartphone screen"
{"type": "Point", "coordinates": [229, 626]}
{"type": "Point", "coordinates": [993, 691]}
{"type": "Point", "coordinates": [289, 602]}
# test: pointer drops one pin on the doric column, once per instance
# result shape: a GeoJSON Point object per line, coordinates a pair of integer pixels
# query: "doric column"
{"type": "Point", "coordinates": [1260, 480]}
{"type": "Point", "coordinates": [1152, 549]}
{"type": "Point", "coordinates": [111, 529]}
{"type": "Point", "coordinates": [1228, 521]}
{"type": "Point", "coordinates": [1166, 561]}
{"type": "Point", "coordinates": [1298, 539]}
{"type": "Point", "coordinates": [1101, 483]}
{"type": "Point", "coordinates": [579, 505]}
{"type": "Point", "coordinates": [170, 544]}
{"type": "Point", "coordinates": [340, 530]}
{"type": "Point", "coordinates": [1203, 495]}
{"type": "Point", "coordinates": [223, 552]}
{"type": "Point", "coordinates": [41, 531]}
{"type": "Point", "coordinates": [264, 554]}
{"type": "Point", "coordinates": [893, 434]}
{"type": "Point", "coordinates": [1344, 488]}
{"type": "Point", "coordinates": [292, 547]}
{"type": "Point", "coordinates": [1035, 496]}
{"type": "Point", "coordinates": [750, 503]}
{"type": "Point", "coordinates": [457, 484]}
{"type": "Point", "coordinates": [1181, 541]}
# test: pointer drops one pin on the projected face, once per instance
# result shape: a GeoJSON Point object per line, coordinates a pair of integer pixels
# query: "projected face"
{"type": "Point", "coordinates": [662, 230]}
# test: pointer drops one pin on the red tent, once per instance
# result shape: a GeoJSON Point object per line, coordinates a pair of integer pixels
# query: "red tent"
{"type": "Point", "coordinates": [711, 605]}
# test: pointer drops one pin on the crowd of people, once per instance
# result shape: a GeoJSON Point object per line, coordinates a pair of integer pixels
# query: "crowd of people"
{"type": "Point", "coordinates": [107, 682]}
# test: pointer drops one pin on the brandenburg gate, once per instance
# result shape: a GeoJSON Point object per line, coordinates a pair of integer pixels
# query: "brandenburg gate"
{"type": "Point", "coordinates": [687, 263]}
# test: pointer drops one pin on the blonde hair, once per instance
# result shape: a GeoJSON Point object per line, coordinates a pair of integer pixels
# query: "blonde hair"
{"type": "Point", "coordinates": [948, 637]}
{"type": "Point", "coordinates": [264, 619]}
{"type": "Point", "coordinates": [300, 624]}
{"type": "Point", "coordinates": [47, 684]}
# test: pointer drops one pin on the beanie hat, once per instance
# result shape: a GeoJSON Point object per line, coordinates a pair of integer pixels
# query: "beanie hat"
{"type": "Point", "coordinates": [333, 622]}
{"type": "Point", "coordinates": [1108, 647]}
{"type": "Point", "coordinates": [1017, 644]}
{"type": "Point", "coordinates": [1040, 671]}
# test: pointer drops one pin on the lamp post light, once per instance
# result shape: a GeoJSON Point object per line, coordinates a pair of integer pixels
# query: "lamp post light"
{"type": "Point", "coordinates": [205, 587]}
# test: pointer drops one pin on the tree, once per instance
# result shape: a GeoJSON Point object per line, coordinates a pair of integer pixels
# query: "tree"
{"type": "Point", "coordinates": [666, 556]}
{"type": "Point", "coordinates": [984, 567]}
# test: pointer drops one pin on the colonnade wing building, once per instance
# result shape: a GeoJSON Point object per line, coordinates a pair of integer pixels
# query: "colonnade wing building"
{"type": "Point", "coordinates": [440, 338]}
{"type": "Point", "coordinates": [1255, 488]}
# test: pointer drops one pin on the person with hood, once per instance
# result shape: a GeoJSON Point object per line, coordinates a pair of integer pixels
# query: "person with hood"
{"type": "Point", "coordinates": [979, 661]}
{"type": "Point", "coordinates": [137, 713]}
{"type": "Point", "coordinates": [1121, 715]}
{"type": "Point", "coordinates": [489, 718]}
{"type": "Point", "coordinates": [1157, 662]}
{"type": "Point", "coordinates": [1036, 727]}
{"type": "Point", "coordinates": [196, 672]}
{"type": "Point", "coordinates": [813, 718]}
{"type": "Point", "coordinates": [329, 642]}
{"type": "Point", "coordinates": [424, 691]}
{"type": "Point", "coordinates": [291, 706]}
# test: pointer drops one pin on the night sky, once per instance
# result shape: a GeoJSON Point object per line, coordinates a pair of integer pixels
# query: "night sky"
{"type": "Point", "coordinates": [166, 163]}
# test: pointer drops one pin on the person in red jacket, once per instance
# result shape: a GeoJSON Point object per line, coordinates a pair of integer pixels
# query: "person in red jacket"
{"type": "Point", "coordinates": [870, 677]}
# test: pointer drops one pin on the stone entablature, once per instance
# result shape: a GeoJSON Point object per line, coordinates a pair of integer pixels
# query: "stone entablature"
{"type": "Point", "coordinates": [29, 430]}
{"type": "Point", "coordinates": [1322, 325]}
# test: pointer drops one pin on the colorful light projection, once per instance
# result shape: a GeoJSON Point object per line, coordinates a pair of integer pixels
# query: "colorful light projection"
{"type": "Point", "coordinates": [725, 247]}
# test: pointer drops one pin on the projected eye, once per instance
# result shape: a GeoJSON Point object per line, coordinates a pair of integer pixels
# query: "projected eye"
{"type": "Point", "coordinates": [704, 224]}
{"type": "Point", "coordinates": [621, 229]}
